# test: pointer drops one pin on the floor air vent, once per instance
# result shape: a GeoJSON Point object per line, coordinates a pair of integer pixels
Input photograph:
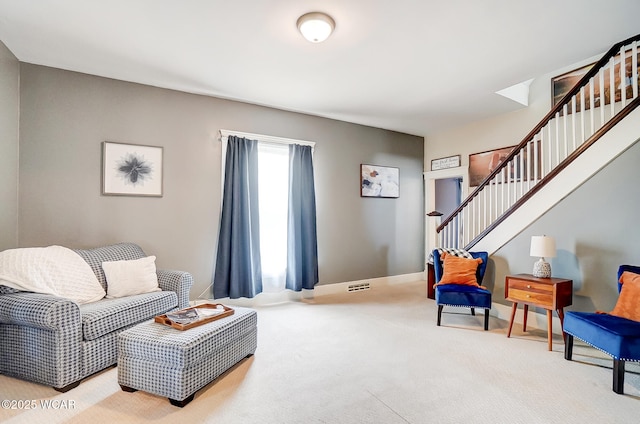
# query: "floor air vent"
{"type": "Point", "coordinates": [359, 287]}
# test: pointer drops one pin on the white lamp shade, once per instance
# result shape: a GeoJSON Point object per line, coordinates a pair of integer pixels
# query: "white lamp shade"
{"type": "Point", "coordinates": [316, 26]}
{"type": "Point", "coordinates": [543, 247]}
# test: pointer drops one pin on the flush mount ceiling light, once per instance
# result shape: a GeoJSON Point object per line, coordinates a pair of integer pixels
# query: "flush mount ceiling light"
{"type": "Point", "coordinates": [316, 26]}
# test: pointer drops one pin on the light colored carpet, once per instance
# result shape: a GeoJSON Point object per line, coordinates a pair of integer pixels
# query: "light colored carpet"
{"type": "Point", "coordinates": [373, 356]}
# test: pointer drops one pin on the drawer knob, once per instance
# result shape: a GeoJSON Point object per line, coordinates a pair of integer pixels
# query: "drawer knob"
{"type": "Point", "coordinates": [528, 286]}
{"type": "Point", "coordinates": [528, 295]}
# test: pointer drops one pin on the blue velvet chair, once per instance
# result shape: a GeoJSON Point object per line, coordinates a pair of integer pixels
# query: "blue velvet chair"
{"type": "Point", "coordinates": [617, 337]}
{"type": "Point", "coordinates": [459, 295]}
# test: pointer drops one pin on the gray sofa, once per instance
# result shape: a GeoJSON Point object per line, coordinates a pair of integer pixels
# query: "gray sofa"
{"type": "Point", "coordinates": [54, 341]}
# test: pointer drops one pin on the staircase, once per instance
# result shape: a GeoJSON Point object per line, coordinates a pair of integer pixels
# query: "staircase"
{"type": "Point", "coordinates": [558, 155]}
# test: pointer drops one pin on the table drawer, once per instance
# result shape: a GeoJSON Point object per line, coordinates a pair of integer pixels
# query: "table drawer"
{"type": "Point", "coordinates": [543, 299]}
{"type": "Point", "coordinates": [530, 285]}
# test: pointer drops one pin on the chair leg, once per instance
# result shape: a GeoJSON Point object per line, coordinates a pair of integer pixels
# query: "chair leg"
{"type": "Point", "coordinates": [486, 319]}
{"type": "Point", "coordinates": [618, 376]}
{"type": "Point", "coordinates": [473, 311]}
{"type": "Point", "coordinates": [439, 314]}
{"type": "Point", "coordinates": [568, 347]}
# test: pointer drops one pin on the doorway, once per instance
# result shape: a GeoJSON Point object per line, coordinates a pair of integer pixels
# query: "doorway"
{"type": "Point", "coordinates": [448, 192]}
{"type": "Point", "coordinates": [444, 191]}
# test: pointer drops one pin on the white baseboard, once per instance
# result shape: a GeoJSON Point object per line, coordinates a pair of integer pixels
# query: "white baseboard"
{"type": "Point", "coordinates": [263, 299]}
{"type": "Point", "coordinates": [498, 310]}
{"type": "Point", "coordinates": [327, 289]}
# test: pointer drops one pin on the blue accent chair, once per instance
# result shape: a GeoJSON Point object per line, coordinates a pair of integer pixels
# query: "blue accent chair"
{"type": "Point", "coordinates": [459, 295]}
{"type": "Point", "coordinates": [617, 337]}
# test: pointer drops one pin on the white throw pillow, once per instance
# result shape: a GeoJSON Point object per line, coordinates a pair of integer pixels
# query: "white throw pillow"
{"type": "Point", "coordinates": [126, 278]}
{"type": "Point", "coordinates": [54, 270]}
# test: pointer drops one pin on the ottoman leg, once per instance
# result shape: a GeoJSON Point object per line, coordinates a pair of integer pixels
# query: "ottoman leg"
{"type": "Point", "coordinates": [128, 389]}
{"type": "Point", "coordinates": [181, 403]}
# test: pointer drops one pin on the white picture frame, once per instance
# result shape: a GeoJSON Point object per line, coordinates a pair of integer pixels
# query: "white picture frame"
{"type": "Point", "coordinates": [131, 169]}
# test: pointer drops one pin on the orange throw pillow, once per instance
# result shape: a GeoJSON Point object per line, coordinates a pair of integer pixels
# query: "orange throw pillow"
{"type": "Point", "coordinates": [628, 304]}
{"type": "Point", "coordinates": [457, 270]}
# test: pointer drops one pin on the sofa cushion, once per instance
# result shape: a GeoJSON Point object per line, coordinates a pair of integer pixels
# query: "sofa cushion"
{"type": "Point", "coordinates": [107, 315]}
{"type": "Point", "coordinates": [116, 252]}
{"type": "Point", "coordinates": [126, 278]}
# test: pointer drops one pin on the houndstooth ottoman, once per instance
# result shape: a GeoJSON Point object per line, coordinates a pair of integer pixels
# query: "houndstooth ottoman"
{"type": "Point", "coordinates": [175, 364]}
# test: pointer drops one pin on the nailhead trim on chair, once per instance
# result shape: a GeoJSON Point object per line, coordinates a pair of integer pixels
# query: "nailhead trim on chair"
{"type": "Point", "coordinates": [607, 353]}
{"type": "Point", "coordinates": [464, 306]}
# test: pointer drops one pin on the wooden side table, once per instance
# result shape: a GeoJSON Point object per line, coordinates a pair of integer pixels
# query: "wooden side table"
{"type": "Point", "coordinates": [431, 280]}
{"type": "Point", "coordinates": [552, 294]}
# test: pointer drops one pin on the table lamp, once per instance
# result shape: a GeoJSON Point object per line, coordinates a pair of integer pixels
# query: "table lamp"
{"type": "Point", "coordinates": [542, 247]}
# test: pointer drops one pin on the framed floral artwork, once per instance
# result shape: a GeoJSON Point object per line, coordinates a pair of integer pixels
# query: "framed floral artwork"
{"type": "Point", "coordinates": [131, 169]}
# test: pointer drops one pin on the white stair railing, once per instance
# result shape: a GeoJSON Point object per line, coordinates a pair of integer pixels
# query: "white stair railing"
{"type": "Point", "coordinates": [587, 112]}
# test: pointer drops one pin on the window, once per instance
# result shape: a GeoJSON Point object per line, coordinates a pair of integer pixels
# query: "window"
{"type": "Point", "coordinates": [268, 236]}
{"type": "Point", "coordinates": [273, 185]}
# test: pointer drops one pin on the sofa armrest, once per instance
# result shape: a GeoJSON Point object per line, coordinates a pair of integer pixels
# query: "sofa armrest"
{"type": "Point", "coordinates": [38, 310]}
{"type": "Point", "coordinates": [176, 281]}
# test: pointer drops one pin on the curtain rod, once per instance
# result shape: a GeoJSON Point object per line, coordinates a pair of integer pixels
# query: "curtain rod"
{"type": "Point", "coordinates": [224, 134]}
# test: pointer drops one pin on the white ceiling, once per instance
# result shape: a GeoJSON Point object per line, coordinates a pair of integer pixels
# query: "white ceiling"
{"type": "Point", "coordinates": [414, 66]}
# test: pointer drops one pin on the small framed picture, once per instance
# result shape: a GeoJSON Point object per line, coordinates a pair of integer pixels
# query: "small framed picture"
{"type": "Point", "coordinates": [379, 181]}
{"type": "Point", "coordinates": [131, 169]}
{"type": "Point", "coordinates": [445, 163]}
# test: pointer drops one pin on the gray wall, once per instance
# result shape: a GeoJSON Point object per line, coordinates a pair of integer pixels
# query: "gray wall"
{"type": "Point", "coordinates": [9, 136]}
{"type": "Point", "coordinates": [65, 116]}
{"type": "Point", "coordinates": [595, 229]}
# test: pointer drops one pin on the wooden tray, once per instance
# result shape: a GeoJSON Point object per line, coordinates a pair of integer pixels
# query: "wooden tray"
{"type": "Point", "coordinates": [162, 319]}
